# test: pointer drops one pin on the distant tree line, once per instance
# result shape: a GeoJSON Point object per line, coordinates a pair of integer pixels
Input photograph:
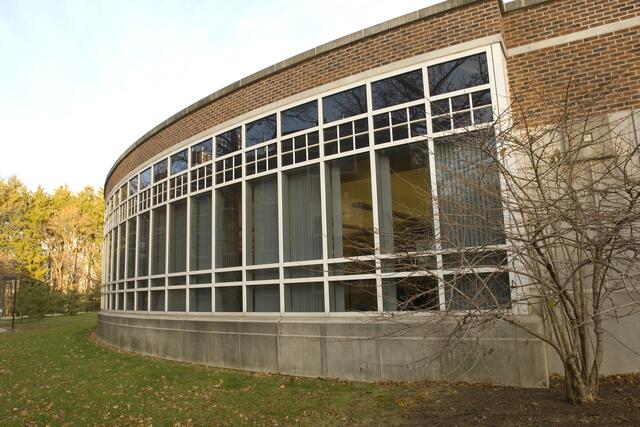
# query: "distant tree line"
{"type": "Point", "coordinates": [52, 245]}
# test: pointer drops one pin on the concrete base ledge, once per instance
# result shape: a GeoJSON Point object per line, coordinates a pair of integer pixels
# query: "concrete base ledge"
{"type": "Point", "coordinates": [346, 348]}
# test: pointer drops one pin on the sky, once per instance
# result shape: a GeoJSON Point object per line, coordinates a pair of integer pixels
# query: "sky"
{"type": "Point", "coordinates": [80, 81]}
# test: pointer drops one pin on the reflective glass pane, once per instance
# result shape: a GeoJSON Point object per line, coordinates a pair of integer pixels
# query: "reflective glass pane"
{"type": "Point", "coordinates": [200, 240]}
{"type": "Point", "coordinates": [298, 118]}
{"type": "Point", "coordinates": [353, 296]}
{"type": "Point", "coordinates": [200, 299]}
{"type": "Point", "coordinates": [304, 297]}
{"type": "Point", "coordinates": [229, 141]}
{"type": "Point", "coordinates": [349, 207]}
{"type": "Point", "coordinates": [229, 226]}
{"type": "Point", "coordinates": [160, 170]}
{"type": "Point", "coordinates": [178, 236]}
{"type": "Point", "coordinates": [397, 89]}
{"type": "Point", "coordinates": [263, 298]}
{"type": "Point", "coordinates": [159, 240]}
{"type": "Point", "coordinates": [410, 293]}
{"type": "Point", "coordinates": [458, 74]}
{"type": "Point", "coordinates": [229, 299]}
{"type": "Point", "coordinates": [143, 245]}
{"type": "Point", "coordinates": [261, 130]}
{"type": "Point", "coordinates": [131, 248]}
{"type": "Point", "coordinates": [405, 211]}
{"type": "Point", "coordinates": [262, 221]}
{"type": "Point", "coordinates": [145, 178]}
{"type": "Point", "coordinates": [179, 162]}
{"type": "Point", "coordinates": [344, 104]}
{"type": "Point", "coordinates": [201, 153]}
{"type": "Point", "coordinates": [302, 214]}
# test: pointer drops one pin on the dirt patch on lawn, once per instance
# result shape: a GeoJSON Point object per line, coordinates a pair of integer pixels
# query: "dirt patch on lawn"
{"type": "Point", "coordinates": [467, 404]}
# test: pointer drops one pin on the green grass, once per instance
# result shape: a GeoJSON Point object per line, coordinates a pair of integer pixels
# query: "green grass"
{"type": "Point", "coordinates": [51, 372]}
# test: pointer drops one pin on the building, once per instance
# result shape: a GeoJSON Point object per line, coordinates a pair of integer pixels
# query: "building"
{"type": "Point", "coordinates": [245, 230]}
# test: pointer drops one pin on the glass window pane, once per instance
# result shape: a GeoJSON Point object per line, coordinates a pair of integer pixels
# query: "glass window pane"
{"type": "Point", "coordinates": [302, 214]}
{"type": "Point", "coordinates": [304, 297]}
{"type": "Point", "coordinates": [298, 118]}
{"type": "Point", "coordinates": [263, 298]}
{"type": "Point", "coordinates": [410, 293]}
{"type": "Point", "coordinates": [160, 170]}
{"type": "Point", "coordinates": [143, 301]}
{"type": "Point", "coordinates": [131, 248]}
{"type": "Point", "coordinates": [143, 245]}
{"type": "Point", "coordinates": [122, 236]}
{"type": "Point", "coordinates": [179, 162]}
{"type": "Point", "coordinates": [229, 226]}
{"type": "Point", "coordinates": [404, 198]}
{"type": "Point", "coordinates": [229, 141]}
{"type": "Point", "coordinates": [159, 240]}
{"type": "Point", "coordinates": [458, 74]}
{"type": "Point", "coordinates": [344, 104]}
{"type": "Point", "coordinates": [349, 207]}
{"type": "Point", "coordinates": [229, 299]}
{"type": "Point", "coordinates": [178, 236]}
{"type": "Point", "coordinates": [353, 296]}
{"type": "Point", "coordinates": [133, 185]}
{"type": "Point", "coordinates": [157, 300]}
{"type": "Point", "coordinates": [478, 291]}
{"type": "Point", "coordinates": [202, 152]}
{"type": "Point", "coordinates": [145, 178]}
{"type": "Point", "coordinates": [468, 191]}
{"type": "Point", "coordinates": [262, 221]}
{"type": "Point", "coordinates": [200, 299]}
{"type": "Point", "coordinates": [177, 300]}
{"type": "Point", "coordinates": [261, 130]}
{"type": "Point", "coordinates": [200, 241]}
{"type": "Point", "coordinates": [397, 89]}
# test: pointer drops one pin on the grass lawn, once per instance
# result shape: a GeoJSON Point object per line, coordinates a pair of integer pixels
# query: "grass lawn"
{"type": "Point", "coordinates": [51, 372]}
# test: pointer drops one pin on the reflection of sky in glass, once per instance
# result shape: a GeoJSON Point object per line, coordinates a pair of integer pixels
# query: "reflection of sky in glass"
{"type": "Point", "coordinates": [261, 130]}
{"type": "Point", "coordinates": [179, 162]}
{"type": "Point", "coordinates": [145, 178]}
{"type": "Point", "coordinates": [229, 141]}
{"type": "Point", "coordinates": [458, 74]}
{"type": "Point", "coordinates": [397, 89]}
{"type": "Point", "coordinates": [301, 117]}
{"type": "Point", "coordinates": [202, 152]}
{"type": "Point", "coordinates": [160, 170]}
{"type": "Point", "coordinates": [344, 104]}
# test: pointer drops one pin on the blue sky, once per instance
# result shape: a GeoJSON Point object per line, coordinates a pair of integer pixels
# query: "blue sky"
{"type": "Point", "coordinates": [82, 80]}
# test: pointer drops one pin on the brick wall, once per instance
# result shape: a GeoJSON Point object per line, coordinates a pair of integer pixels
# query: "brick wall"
{"type": "Point", "coordinates": [612, 59]}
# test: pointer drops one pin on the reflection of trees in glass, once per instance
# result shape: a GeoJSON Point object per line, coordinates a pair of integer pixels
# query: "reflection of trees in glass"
{"type": "Point", "coordinates": [202, 152]}
{"type": "Point", "coordinates": [458, 74]}
{"type": "Point", "coordinates": [229, 141]}
{"type": "Point", "coordinates": [145, 178]}
{"type": "Point", "coordinates": [397, 89]}
{"type": "Point", "coordinates": [160, 170]}
{"type": "Point", "coordinates": [133, 185]}
{"type": "Point", "coordinates": [261, 130]}
{"type": "Point", "coordinates": [298, 118]}
{"type": "Point", "coordinates": [344, 104]}
{"type": "Point", "coordinates": [179, 161]}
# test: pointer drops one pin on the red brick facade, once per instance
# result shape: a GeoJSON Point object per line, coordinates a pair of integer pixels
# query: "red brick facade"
{"type": "Point", "coordinates": [589, 61]}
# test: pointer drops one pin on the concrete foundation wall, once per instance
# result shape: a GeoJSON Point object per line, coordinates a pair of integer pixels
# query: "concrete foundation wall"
{"type": "Point", "coordinates": [351, 348]}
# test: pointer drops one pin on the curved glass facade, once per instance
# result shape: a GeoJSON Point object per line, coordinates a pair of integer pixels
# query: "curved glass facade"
{"type": "Point", "coordinates": [315, 207]}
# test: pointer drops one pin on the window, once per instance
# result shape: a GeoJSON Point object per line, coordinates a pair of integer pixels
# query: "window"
{"type": "Point", "coordinates": [262, 221]}
{"type": "Point", "coordinates": [304, 297]}
{"type": "Point", "coordinates": [177, 300]}
{"type": "Point", "coordinates": [458, 74]}
{"type": "Point", "coordinates": [400, 124]}
{"type": "Point", "coordinates": [229, 226]}
{"type": "Point", "coordinates": [397, 89]}
{"type": "Point", "coordinates": [159, 240]}
{"type": "Point", "coordinates": [263, 298]}
{"type": "Point", "coordinates": [143, 300]}
{"type": "Point", "coordinates": [229, 169]}
{"type": "Point", "coordinates": [133, 185]}
{"type": "Point", "coordinates": [200, 299]}
{"type": "Point", "coordinates": [178, 236]}
{"type": "Point", "coordinates": [179, 162]}
{"type": "Point", "coordinates": [202, 152]}
{"type": "Point", "coordinates": [122, 236]}
{"type": "Point", "coordinates": [145, 178]}
{"type": "Point", "coordinates": [229, 299]}
{"type": "Point", "coordinates": [344, 104]}
{"type": "Point", "coordinates": [300, 148]}
{"type": "Point", "coordinates": [353, 296]}
{"type": "Point", "coordinates": [410, 293]}
{"type": "Point", "coordinates": [143, 245]}
{"type": "Point", "coordinates": [131, 248]}
{"type": "Point", "coordinates": [261, 130]}
{"type": "Point", "coordinates": [346, 137]}
{"type": "Point", "coordinates": [405, 212]}
{"type": "Point", "coordinates": [229, 141]}
{"type": "Point", "coordinates": [200, 240]}
{"type": "Point", "coordinates": [478, 291]}
{"type": "Point", "coordinates": [302, 214]}
{"type": "Point", "coordinates": [461, 111]}
{"type": "Point", "coordinates": [157, 300]}
{"type": "Point", "coordinates": [298, 118]}
{"type": "Point", "coordinates": [160, 170]}
{"type": "Point", "coordinates": [349, 207]}
{"type": "Point", "coordinates": [470, 207]}
{"type": "Point", "coordinates": [261, 159]}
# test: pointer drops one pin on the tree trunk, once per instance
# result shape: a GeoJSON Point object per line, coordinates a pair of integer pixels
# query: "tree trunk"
{"type": "Point", "coordinates": [576, 390]}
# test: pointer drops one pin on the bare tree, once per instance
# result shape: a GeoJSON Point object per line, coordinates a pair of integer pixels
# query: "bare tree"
{"type": "Point", "coordinates": [528, 216]}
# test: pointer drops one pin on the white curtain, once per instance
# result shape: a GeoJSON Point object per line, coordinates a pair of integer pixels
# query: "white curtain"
{"type": "Point", "coordinates": [302, 214]}
{"type": "Point", "coordinates": [262, 221]}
